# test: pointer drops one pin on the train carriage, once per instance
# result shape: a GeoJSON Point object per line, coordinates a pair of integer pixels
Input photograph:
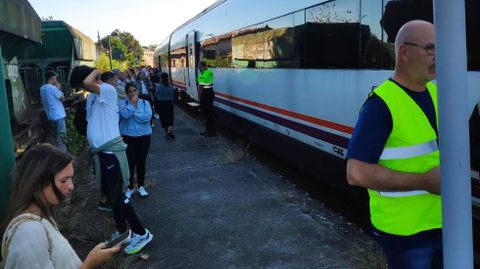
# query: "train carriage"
{"type": "Point", "coordinates": [59, 47]}
{"type": "Point", "coordinates": [292, 75]}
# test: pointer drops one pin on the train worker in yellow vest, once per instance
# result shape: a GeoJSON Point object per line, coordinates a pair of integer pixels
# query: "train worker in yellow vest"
{"type": "Point", "coordinates": [394, 153]}
{"type": "Point", "coordinates": [206, 95]}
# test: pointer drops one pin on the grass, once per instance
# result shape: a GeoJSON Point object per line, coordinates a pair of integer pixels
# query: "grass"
{"type": "Point", "coordinates": [371, 256]}
{"type": "Point", "coordinates": [231, 152]}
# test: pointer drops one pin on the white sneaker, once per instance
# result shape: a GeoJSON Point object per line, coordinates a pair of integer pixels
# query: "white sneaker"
{"type": "Point", "coordinates": [142, 192]}
{"type": "Point", "coordinates": [129, 193]}
{"type": "Point", "coordinates": [138, 242]}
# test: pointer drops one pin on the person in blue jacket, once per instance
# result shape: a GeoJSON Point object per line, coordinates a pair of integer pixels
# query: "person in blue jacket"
{"type": "Point", "coordinates": [135, 128]}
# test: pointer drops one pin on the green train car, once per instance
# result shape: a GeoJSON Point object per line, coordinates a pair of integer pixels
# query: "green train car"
{"type": "Point", "coordinates": [54, 45]}
{"type": "Point", "coordinates": [62, 48]}
{"type": "Point", "coordinates": [20, 28]}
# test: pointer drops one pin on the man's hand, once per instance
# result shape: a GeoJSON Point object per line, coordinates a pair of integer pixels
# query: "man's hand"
{"type": "Point", "coordinates": [379, 178]}
{"type": "Point", "coordinates": [90, 82]}
{"type": "Point", "coordinates": [58, 85]}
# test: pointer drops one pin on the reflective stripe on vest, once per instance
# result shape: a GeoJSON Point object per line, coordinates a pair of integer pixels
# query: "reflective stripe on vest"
{"type": "Point", "coordinates": [409, 151]}
{"type": "Point", "coordinates": [401, 193]}
{"type": "Point", "coordinates": [206, 85]}
{"type": "Point", "coordinates": [403, 153]}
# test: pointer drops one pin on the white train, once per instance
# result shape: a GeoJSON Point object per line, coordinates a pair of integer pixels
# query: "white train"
{"type": "Point", "coordinates": [292, 75]}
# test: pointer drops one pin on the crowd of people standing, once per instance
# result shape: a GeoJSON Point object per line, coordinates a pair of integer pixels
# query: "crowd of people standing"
{"type": "Point", "coordinates": [118, 119]}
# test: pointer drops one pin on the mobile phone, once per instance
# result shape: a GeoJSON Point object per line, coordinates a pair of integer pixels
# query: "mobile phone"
{"type": "Point", "coordinates": [119, 240]}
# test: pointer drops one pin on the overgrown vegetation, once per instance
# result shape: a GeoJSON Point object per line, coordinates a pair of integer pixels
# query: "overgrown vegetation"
{"type": "Point", "coordinates": [76, 142]}
{"type": "Point", "coordinates": [103, 63]}
{"type": "Point", "coordinates": [125, 47]}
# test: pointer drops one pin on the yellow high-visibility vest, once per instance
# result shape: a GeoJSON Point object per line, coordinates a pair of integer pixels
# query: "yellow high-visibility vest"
{"type": "Point", "coordinates": [205, 79]}
{"type": "Point", "coordinates": [411, 147]}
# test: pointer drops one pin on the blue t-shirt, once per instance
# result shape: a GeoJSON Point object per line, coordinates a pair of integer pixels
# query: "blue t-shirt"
{"type": "Point", "coordinates": [50, 96]}
{"type": "Point", "coordinates": [374, 125]}
{"type": "Point", "coordinates": [164, 93]}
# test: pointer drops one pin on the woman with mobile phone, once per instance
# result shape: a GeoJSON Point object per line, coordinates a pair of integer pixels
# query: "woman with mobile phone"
{"type": "Point", "coordinates": [42, 179]}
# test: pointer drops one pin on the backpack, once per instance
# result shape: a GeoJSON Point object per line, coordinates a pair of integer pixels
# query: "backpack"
{"type": "Point", "coordinates": [80, 117]}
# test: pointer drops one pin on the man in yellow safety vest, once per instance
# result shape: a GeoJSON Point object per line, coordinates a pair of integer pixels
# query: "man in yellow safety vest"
{"type": "Point", "coordinates": [206, 96]}
{"type": "Point", "coordinates": [394, 153]}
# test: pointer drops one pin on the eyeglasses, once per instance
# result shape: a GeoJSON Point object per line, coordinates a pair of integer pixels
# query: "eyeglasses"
{"type": "Point", "coordinates": [430, 48]}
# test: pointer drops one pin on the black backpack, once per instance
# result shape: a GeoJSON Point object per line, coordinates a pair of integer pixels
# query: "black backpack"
{"type": "Point", "coordinates": [80, 118]}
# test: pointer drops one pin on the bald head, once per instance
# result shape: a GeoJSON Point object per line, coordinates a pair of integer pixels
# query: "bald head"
{"type": "Point", "coordinates": [413, 31]}
{"type": "Point", "coordinates": [415, 54]}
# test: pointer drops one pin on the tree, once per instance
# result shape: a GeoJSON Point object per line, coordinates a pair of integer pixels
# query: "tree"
{"type": "Point", "coordinates": [103, 63]}
{"type": "Point", "coordinates": [152, 47]}
{"type": "Point", "coordinates": [119, 50]}
{"type": "Point", "coordinates": [124, 47]}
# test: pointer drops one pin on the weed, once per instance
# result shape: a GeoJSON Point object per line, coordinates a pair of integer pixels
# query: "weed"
{"type": "Point", "coordinates": [373, 258]}
{"type": "Point", "coordinates": [76, 142]}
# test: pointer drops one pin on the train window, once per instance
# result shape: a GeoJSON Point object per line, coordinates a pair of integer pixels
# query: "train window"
{"type": "Point", "coordinates": [191, 57]}
{"type": "Point", "coordinates": [333, 12]}
{"type": "Point", "coordinates": [266, 45]}
{"type": "Point", "coordinates": [163, 60]}
{"type": "Point", "coordinates": [299, 18]}
{"type": "Point", "coordinates": [209, 54]}
{"type": "Point", "coordinates": [217, 51]}
{"type": "Point", "coordinates": [375, 51]}
{"type": "Point", "coordinates": [330, 37]}
{"type": "Point", "coordinates": [244, 48]}
{"type": "Point", "coordinates": [276, 47]}
{"type": "Point", "coordinates": [260, 46]}
{"type": "Point", "coordinates": [178, 57]}
{"type": "Point", "coordinates": [396, 13]}
{"type": "Point", "coordinates": [472, 9]}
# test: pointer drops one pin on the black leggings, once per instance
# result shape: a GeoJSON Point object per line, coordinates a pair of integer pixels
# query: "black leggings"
{"type": "Point", "coordinates": [112, 182]}
{"type": "Point", "coordinates": [137, 151]}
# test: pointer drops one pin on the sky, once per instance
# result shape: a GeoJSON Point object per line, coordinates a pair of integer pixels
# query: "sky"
{"type": "Point", "coordinates": [150, 21]}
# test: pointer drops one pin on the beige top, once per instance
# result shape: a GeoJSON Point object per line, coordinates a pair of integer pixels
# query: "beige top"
{"type": "Point", "coordinates": [33, 242]}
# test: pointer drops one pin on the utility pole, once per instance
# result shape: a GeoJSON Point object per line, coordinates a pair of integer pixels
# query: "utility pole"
{"type": "Point", "coordinates": [110, 51]}
{"type": "Point", "coordinates": [451, 62]}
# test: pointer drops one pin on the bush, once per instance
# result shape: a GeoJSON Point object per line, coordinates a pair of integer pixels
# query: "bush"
{"type": "Point", "coordinates": [76, 142]}
{"type": "Point", "coordinates": [103, 63]}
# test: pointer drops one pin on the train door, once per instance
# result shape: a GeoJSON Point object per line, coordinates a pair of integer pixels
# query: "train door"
{"type": "Point", "coordinates": [191, 43]}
